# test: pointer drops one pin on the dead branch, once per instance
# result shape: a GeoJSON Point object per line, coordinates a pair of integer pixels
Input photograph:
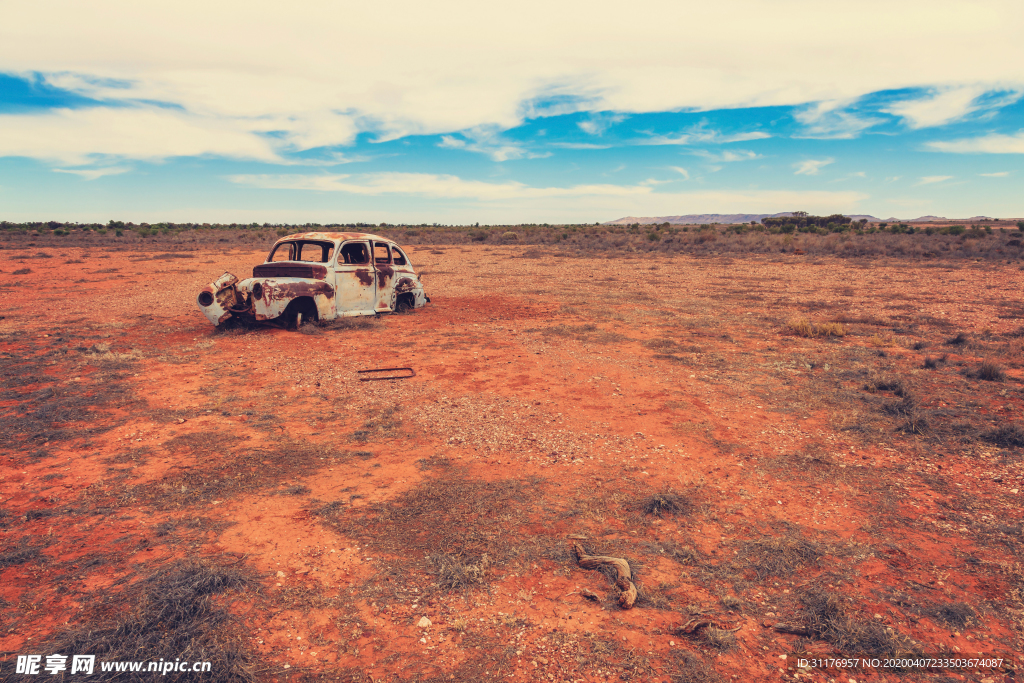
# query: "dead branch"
{"type": "Point", "coordinates": [789, 628]}
{"type": "Point", "coordinates": [693, 625]}
{"type": "Point", "coordinates": [624, 578]}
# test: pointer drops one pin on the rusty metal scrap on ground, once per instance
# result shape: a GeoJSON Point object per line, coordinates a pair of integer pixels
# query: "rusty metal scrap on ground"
{"type": "Point", "coordinates": [412, 373]}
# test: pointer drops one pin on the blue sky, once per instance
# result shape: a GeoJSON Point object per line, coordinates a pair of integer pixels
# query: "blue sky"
{"type": "Point", "coordinates": [546, 112]}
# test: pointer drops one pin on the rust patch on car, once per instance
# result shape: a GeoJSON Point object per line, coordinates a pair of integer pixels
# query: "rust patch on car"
{"type": "Point", "coordinates": [294, 290]}
{"type": "Point", "coordinates": [365, 278]}
{"type": "Point", "coordinates": [384, 273]}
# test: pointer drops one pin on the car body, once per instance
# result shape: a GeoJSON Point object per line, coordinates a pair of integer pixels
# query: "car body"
{"type": "Point", "coordinates": [318, 276]}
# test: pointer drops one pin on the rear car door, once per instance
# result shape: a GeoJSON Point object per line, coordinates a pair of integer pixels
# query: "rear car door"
{"type": "Point", "coordinates": [385, 276]}
{"type": "Point", "coordinates": [355, 279]}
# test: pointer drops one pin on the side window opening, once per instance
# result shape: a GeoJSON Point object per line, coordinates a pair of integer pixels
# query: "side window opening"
{"type": "Point", "coordinates": [398, 256]}
{"type": "Point", "coordinates": [315, 252]}
{"type": "Point", "coordinates": [282, 252]}
{"type": "Point", "coordinates": [355, 253]}
{"type": "Point", "coordinates": [380, 253]}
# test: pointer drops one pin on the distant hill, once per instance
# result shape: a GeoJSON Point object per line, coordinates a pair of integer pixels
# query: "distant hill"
{"type": "Point", "coordinates": [701, 218]}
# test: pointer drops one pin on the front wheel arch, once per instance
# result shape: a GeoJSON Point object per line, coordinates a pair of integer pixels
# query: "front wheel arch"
{"type": "Point", "coordinates": [299, 312]}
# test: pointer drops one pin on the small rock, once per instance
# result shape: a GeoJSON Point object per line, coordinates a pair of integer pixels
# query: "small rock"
{"type": "Point", "coordinates": [1014, 490]}
{"type": "Point", "coordinates": [424, 623]}
{"type": "Point", "coordinates": [280, 575]}
{"type": "Point", "coordinates": [542, 660]}
{"type": "Point", "coordinates": [287, 666]}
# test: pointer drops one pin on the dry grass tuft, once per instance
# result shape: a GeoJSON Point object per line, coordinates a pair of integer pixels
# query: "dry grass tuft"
{"type": "Point", "coordinates": [688, 668]}
{"type": "Point", "coordinates": [907, 410]}
{"type": "Point", "coordinates": [667, 503]}
{"type": "Point", "coordinates": [718, 638]}
{"type": "Point", "coordinates": [20, 556]}
{"type": "Point", "coordinates": [454, 573]}
{"type": "Point", "coordinates": [960, 339]}
{"type": "Point", "coordinates": [956, 615]}
{"type": "Point", "coordinates": [990, 372]}
{"type": "Point", "coordinates": [176, 618]}
{"type": "Point", "coordinates": [780, 556]}
{"type": "Point", "coordinates": [1007, 436]}
{"type": "Point", "coordinates": [359, 322]}
{"type": "Point", "coordinates": [886, 383]}
{"type": "Point", "coordinates": [826, 619]}
{"type": "Point", "coordinates": [802, 327]}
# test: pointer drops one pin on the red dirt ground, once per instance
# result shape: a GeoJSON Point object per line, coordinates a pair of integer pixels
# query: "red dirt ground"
{"type": "Point", "coordinates": [556, 395]}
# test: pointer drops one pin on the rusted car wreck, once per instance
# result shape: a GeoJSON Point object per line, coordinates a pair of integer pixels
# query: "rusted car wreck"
{"type": "Point", "coordinates": [318, 276]}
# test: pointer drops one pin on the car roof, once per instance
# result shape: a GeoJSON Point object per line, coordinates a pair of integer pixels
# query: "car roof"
{"type": "Point", "coordinates": [335, 236]}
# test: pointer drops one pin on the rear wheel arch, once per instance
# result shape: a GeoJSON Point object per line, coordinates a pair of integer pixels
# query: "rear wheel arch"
{"type": "Point", "coordinates": [405, 302]}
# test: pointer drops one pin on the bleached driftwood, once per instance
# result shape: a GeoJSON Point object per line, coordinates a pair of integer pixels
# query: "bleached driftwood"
{"type": "Point", "coordinates": [623, 579]}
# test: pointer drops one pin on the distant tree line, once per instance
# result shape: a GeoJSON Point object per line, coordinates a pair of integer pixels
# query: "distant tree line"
{"type": "Point", "coordinates": [801, 221]}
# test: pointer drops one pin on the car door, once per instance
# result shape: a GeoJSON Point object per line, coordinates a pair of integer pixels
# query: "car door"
{"type": "Point", "coordinates": [385, 276]}
{"type": "Point", "coordinates": [355, 279]}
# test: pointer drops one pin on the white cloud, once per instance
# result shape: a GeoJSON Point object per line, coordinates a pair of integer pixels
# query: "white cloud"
{"type": "Point", "coordinates": [811, 166]}
{"type": "Point", "coordinates": [320, 71]}
{"type": "Point", "coordinates": [597, 124]}
{"type": "Point", "coordinates": [554, 203]}
{"type": "Point", "coordinates": [727, 155]}
{"type": "Point", "coordinates": [946, 105]}
{"type": "Point", "coordinates": [73, 137]}
{"type": "Point", "coordinates": [744, 137]}
{"type": "Point", "coordinates": [986, 144]}
{"type": "Point", "coordinates": [578, 145]}
{"type": "Point", "coordinates": [93, 173]}
{"type": "Point", "coordinates": [997, 174]}
{"type": "Point", "coordinates": [682, 171]}
{"type": "Point", "coordinates": [939, 107]}
{"type": "Point", "coordinates": [426, 185]}
{"type": "Point", "coordinates": [932, 179]}
{"type": "Point", "coordinates": [829, 120]}
{"type": "Point", "coordinates": [488, 140]}
{"type": "Point", "coordinates": [452, 142]}
{"type": "Point", "coordinates": [697, 135]}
